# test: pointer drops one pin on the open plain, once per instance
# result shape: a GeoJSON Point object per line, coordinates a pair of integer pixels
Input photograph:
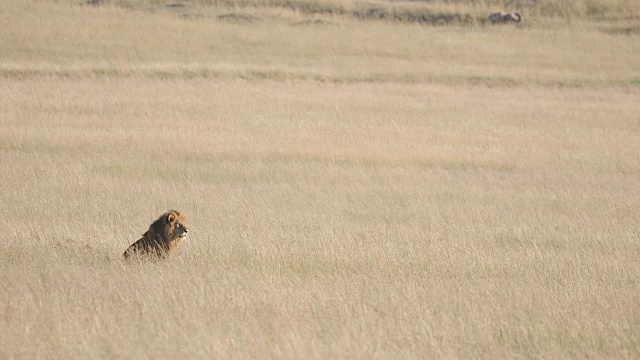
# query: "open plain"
{"type": "Point", "coordinates": [355, 186]}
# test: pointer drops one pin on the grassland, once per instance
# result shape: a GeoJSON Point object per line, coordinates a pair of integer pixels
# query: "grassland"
{"type": "Point", "coordinates": [355, 187]}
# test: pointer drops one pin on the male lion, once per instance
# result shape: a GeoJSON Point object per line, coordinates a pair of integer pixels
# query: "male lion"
{"type": "Point", "coordinates": [162, 238]}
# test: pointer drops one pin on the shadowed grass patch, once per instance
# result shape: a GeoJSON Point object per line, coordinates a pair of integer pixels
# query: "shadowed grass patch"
{"type": "Point", "coordinates": [212, 168]}
{"type": "Point", "coordinates": [201, 71]}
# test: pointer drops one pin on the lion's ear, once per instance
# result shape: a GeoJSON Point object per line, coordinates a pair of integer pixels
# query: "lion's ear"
{"type": "Point", "coordinates": [171, 218]}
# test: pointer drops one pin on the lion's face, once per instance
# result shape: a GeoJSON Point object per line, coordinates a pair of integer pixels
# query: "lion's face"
{"type": "Point", "coordinates": [174, 226]}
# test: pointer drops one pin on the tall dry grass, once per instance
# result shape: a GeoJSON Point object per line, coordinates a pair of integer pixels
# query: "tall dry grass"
{"type": "Point", "coordinates": [353, 189]}
{"type": "Point", "coordinates": [327, 220]}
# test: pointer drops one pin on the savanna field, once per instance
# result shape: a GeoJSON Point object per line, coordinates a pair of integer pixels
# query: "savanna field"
{"type": "Point", "coordinates": [361, 179]}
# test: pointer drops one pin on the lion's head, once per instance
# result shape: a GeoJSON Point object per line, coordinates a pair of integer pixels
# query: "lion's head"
{"type": "Point", "coordinates": [169, 227]}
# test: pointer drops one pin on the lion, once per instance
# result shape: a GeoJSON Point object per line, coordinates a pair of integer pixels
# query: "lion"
{"type": "Point", "coordinates": [163, 237]}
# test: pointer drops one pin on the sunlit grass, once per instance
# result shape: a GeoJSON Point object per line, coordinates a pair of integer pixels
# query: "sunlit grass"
{"type": "Point", "coordinates": [326, 220]}
{"type": "Point", "coordinates": [354, 187]}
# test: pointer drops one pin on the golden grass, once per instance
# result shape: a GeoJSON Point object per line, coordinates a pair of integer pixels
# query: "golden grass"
{"type": "Point", "coordinates": [327, 220]}
{"type": "Point", "coordinates": [390, 199]}
{"type": "Point", "coordinates": [52, 39]}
